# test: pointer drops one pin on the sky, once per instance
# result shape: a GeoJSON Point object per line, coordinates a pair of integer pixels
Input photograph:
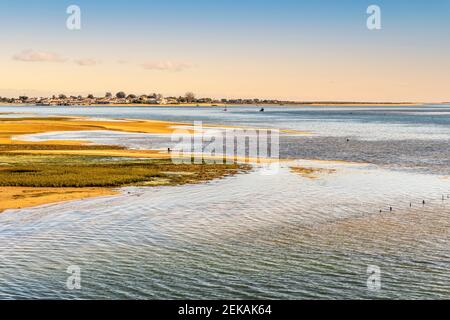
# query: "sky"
{"type": "Point", "coordinates": [315, 50]}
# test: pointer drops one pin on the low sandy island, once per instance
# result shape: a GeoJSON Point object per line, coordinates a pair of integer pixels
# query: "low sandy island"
{"type": "Point", "coordinates": [32, 173]}
{"type": "Point", "coordinates": [10, 127]}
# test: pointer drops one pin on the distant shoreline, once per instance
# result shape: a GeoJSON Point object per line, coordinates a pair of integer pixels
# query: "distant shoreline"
{"type": "Point", "coordinates": [214, 105]}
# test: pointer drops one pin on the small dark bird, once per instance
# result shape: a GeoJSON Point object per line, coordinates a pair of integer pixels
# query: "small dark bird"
{"type": "Point", "coordinates": [390, 209]}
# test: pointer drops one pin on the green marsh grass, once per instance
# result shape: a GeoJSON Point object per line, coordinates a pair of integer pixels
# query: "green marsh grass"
{"type": "Point", "coordinates": [81, 171]}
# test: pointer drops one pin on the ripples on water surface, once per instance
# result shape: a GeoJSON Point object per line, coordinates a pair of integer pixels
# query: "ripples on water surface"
{"type": "Point", "coordinates": [253, 235]}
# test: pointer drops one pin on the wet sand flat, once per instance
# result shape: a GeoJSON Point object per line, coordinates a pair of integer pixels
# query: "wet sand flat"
{"type": "Point", "coordinates": [23, 197]}
{"type": "Point", "coordinates": [12, 127]}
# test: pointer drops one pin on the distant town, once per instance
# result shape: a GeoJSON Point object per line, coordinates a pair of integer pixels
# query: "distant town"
{"type": "Point", "coordinates": [122, 98]}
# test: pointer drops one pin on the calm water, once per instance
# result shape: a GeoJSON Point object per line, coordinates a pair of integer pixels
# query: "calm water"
{"type": "Point", "coordinates": [254, 235]}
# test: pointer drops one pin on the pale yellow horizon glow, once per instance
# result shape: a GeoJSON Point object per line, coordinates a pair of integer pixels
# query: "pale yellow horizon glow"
{"type": "Point", "coordinates": [306, 78]}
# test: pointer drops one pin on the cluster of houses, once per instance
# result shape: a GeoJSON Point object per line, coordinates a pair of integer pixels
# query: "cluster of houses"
{"type": "Point", "coordinates": [121, 98]}
{"type": "Point", "coordinates": [87, 101]}
{"type": "Point", "coordinates": [63, 100]}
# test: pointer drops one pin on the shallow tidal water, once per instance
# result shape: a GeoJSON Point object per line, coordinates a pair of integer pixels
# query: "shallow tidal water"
{"type": "Point", "coordinates": [255, 235]}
